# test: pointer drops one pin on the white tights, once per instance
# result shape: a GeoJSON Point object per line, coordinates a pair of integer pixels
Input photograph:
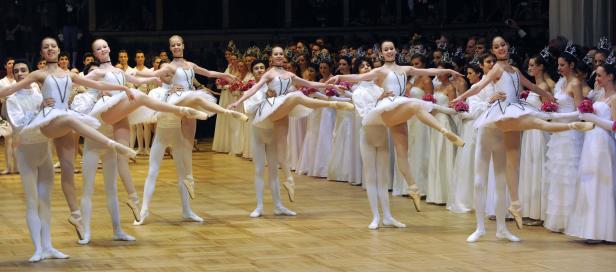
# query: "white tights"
{"type": "Point", "coordinates": [37, 174]}
{"type": "Point", "coordinates": [264, 148]}
{"type": "Point", "coordinates": [490, 146]}
{"type": "Point", "coordinates": [91, 155]}
{"type": "Point", "coordinates": [375, 157]}
{"type": "Point", "coordinates": [181, 150]}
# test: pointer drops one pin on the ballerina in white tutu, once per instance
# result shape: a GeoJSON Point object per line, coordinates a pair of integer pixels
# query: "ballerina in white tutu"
{"type": "Point", "coordinates": [35, 167]}
{"type": "Point", "coordinates": [282, 101]}
{"type": "Point", "coordinates": [513, 115]}
{"type": "Point", "coordinates": [58, 122]}
{"type": "Point", "coordinates": [395, 110]}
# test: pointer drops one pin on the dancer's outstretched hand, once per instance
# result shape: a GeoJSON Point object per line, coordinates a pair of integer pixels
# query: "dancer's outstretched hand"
{"type": "Point", "coordinates": [454, 73]}
{"type": "Point", "coordinates": [333, 80]}
{"type": "Point", "coordinates": [230, 78]}
{"type": "Point", "coordinates": [129, 94]}
{"type": "Point", "coordinates": [232, 106]}
{"type": "Point", "coordinates": [386, 94]}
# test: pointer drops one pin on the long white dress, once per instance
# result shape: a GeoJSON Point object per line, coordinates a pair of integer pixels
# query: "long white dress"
{"type": "Point", "coordinates": [561, 168]}
{"type": "Point", "coordinates": [461, 191]}
{"type": "Point", "coordinates": [324, 145]}
{"type": "Point", "coordinates": [419, 152]}
{"type": "Point", "coordinates": [297, 133]}
{"type": "Point", "coordinates": [240, 131]}
{"type": "Point", "coordinates": [345, 161]}
{"type": "Point", "coordinates": [532, 189]}
{"type": "Point", "coordinates": [594, 210]}
{"type": "Point", "coordinates": [222, 133]}
{"type": "Point", "coordinates": [307, 154]}
{"type": "Point", "coordinates": [442, 156]}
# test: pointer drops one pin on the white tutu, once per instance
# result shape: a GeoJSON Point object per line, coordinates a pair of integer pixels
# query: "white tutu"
{"type": "Point", "coordinates": [373, 118]}
{"type": "Point", "coordinates": [140, 115]}
{"type": "Point", "coordinates": [48, 114]}
{"type": "Point", "coordinates": [84, 102]}
{"type": "Point", "coordinates": [271, 104]}
{"type": "Point", "coordinates": [504, 110]}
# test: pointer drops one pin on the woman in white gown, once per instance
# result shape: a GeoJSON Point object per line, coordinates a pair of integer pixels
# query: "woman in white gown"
{"type": "Point", "coordinates": [240, 131]}
{"type": "Point", "coordinates": [513, 115]}
{"type": "Point", "coordinates": [594, 210]}
{"type": "Point", "coordinates": [345, 161]}
{"type": "Point", "coordinates": [307, 154]}
{"type": "Point", "coordinates": [327, 124]}
{"type": "Point", "coordinates": [564, 149]}
{"type": "Point", "coordinates": [297, 128]}
{"type": "Point", "coordinates": [461, 190]}
{"type": "Point", "coordinates": [533, 149]}
{"type": "Point", "coordinates": [222, 134]}
{"type": "Point", "coordinates": [56, 121]}
{"type": "Point", "coordinates": [282, 101]}
{"type": "Point", "coordinates": [442, 151]}
{"type": "Point", "coordinates": [395, 110]}
{"type": "Point", "coordinates": [419, 135]}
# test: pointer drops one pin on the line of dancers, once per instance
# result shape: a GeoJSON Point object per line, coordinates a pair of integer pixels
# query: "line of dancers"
{"type": "Point", "coordinates": [381, 107]}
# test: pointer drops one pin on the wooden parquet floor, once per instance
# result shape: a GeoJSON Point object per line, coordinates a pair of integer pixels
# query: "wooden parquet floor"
{"type": "Point", "coordinates": [329, 233]}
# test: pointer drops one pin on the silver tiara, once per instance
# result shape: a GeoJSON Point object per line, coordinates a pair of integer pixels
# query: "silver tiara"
{"type": "Point", "coordinates": [570, 49]}
{"type": "Point", "coordinates": [587, 59]}
{"type": "Point", "coordinates": [611, 58]}
{"type": "Point", "coordinates": [321, 57]}
{"type": "Point", "coordinates": [267, 49]}
{"type": "Point", "coordinates": [512, 50]}
{"type": "Point", "coordinates": [288, 53]}
{"type": "Point", "coordinates": [604, 43]}
{"type": "Point", "coordinates": [400, 59]}
{"type": "Point", "coordinates": [459, 53]}
{"type": "Point", "coordinates": [475, 60]}
{"type": "Point", "coordinates": [417, 50]}
{"type": "Point", "coordinates": [252, 51]}
{"type": "Point", "coordinates": [545, 53]}
{"type": "Point", "coordinates": [442, 46]}
{"type": "Point", "coordinates": [446, 58]}
{"type": "Point", "coordinates": [361, 52]}
{"type": "Point", "coordinates": [375, 49]}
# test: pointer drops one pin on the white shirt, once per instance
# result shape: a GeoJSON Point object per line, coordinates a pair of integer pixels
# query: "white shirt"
{"type": "Point", "coordinates": [22, 107]}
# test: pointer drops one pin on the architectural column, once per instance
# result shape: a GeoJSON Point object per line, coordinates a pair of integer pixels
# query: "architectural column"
{"type": "Point", "coordinates": [582, 21]}
{"type": "Point", "coordinates": [91, 15]}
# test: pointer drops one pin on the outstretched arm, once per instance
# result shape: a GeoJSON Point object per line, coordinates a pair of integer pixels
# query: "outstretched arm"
{"type": "Point", "coordinates": [410, 70]}
{"type": "Point", "coordinates": [99, 85]}
{"type": "Point", "coordinates": [372, 75]}
{"type": "Point", "coordinates": [205, 72]}
{"type": "Point", "coordinates": [139, 80]}
{"type": "Point", "coordinates": [302, 82]}
{"type": "Point", "coordinates": [25, 83]}
{"type": "Point", "coordinates": [251, 91]}
{"type": "Point", "coordinates": [477, 87]}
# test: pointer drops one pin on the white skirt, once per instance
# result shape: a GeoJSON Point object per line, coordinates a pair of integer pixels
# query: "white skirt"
{"type": "Point", "coordinates": [504, 110]}
{"type": "Point", "coordinates": [48, 114]}
{"type": "Point", "coordinates": [140, 115]}
{"type": "Point", "coordinates": [271, 104]}
{"type": "Point", "coordinates": [373, 118]}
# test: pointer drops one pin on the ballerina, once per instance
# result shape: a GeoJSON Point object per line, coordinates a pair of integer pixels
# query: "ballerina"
{"type": "Point", "coordinates": [512, 115]}
{"type": "Point", "coordinates": [374, 150]}
{"type": "Point", "coordinates": [92, 153]}
{"type": "Point", "coordinates": [397, 108]}
{"type": "Point", "coordinates": [35, 167]}
{"type": "Point", "coordinates": [180, 73]}
{"type": "Point", "coordinates": [264, 149]}
{"type": "Point", "coordinates": [273, 112]}
{"type": "Point", "coordinates": [57, 122]}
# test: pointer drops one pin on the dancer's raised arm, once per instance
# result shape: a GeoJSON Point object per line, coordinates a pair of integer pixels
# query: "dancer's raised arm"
{"type": "Point", "coordinates": [36, 76]}
{"type": "Point", "coordinates": [475, 89]}
{"type": "Point", "coordinates": [412, 71]}
{"type": "Point", "coordinates": [372, 75]}
{"type": "Point", "coordinates": [213, 74]}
